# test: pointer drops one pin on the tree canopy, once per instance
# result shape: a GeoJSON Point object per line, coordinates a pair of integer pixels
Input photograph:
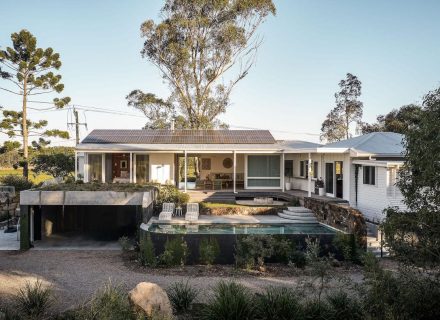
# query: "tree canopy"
{"type": "Point", "coordinates": [31, 70]}
{"type": "Point", "coordinates": [197, 47]}
{"type": "Point", "coordinates": [348, 110]}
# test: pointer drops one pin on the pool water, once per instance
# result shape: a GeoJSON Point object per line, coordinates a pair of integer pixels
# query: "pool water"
{"type": "Point", "coordinates": [313, 228]}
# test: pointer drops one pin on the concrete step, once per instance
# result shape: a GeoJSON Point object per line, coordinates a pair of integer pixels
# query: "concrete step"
{"type": "Point", "coordinates": [299, 209]}
{"type": "Point", "coordinates": [298, 214]}
{"type": "Point", "coordinates": [298, 219]}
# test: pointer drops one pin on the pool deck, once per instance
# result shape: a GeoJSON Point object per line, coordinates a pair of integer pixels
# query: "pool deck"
{"type": "Point", "coordinates": [232, 219]}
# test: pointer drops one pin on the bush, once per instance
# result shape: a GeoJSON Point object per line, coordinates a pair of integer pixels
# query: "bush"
{"type": "Point", "coordinates": [252, 251]}
{"type": "Point", "coordinates": [181, 296]}
{"type": "Point", "coordinates": [347, 245]}
{"type": "Point", "coordinates": [298, 259]}
{"type": "Point", "coordinates": [175, 253]}
{"type": "Point", "coordinates": [169, 193]}
{"type": "Point", "coordinates": [278, 303]}
{"type": "Point", "coordinates": [344, 307]}
{"type": "Point", "coordinates": [316, 309]}
{"type": "Point", "coordinates": [34, 300]}
{"type": "Point", "coordinates": [125, 243]}
{"type": "Point", "coordinates": [229, 300]}
{"type": "Point", "coordinates": [19, 182]}
{"type": "Point", "coordinates": [147, 256]}
{"type": "Point", "coordinates": [209, 250]}
{"type": "Point", "coordinates": [312, 250]}
{"type": "Point", "coordinates": [283, 250]}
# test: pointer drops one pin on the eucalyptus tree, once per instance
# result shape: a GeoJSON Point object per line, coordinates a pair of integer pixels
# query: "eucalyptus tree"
{"type": "Point", "coordinates": [202, 49]}
{"type": "Point", "coordinates": [31, 70]}
{"type": "Point", "coordinates": [348, 110]}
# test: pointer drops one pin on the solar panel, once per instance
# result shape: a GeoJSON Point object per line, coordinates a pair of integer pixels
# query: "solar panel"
{"type": "Point", "coordinates": [186, 136]}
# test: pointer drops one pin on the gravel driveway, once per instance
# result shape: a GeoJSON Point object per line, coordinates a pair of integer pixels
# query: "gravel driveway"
{"type": "Point", "coordinates": [76, 275]}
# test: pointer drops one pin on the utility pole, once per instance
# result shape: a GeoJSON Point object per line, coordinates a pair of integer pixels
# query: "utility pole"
{"type": "Point", "coordinates": [77, 124]}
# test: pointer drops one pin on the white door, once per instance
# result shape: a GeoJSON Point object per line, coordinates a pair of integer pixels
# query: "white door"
{"type": "Point", "coordinates": [161, 173]}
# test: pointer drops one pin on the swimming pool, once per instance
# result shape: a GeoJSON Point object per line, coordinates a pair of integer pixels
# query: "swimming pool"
{"type": "Point", "coordinates": [313, 228]}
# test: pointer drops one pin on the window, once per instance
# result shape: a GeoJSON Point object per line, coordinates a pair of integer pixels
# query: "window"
{"type": "Point", "coordinates": [288, 168]}
{"type": "Point", "coordinates": [304, 168]}
{"type": "Point", "coordinates": [369, 175]}
{"type": "Point", "coordinates": [315, 169]}
{"type": "Point", "coordinates": [263, 171]}
{"type": "Point", "coordinates": [142, 168]}
{"type": "Point", "coordinates": [301, 169]}
{"type": "Point", "coordinates": [95, 167]}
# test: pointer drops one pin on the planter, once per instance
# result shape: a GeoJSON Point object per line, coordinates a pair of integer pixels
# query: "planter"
{"type": "Point", "coordinates": [321, 191]}
{"type": "Point", "coordinates": [288, 186]}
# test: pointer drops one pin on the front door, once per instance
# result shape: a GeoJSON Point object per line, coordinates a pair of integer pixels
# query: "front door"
{"type": "Point", "coordinates": [339, 177]}
{"type": "Point", "coordinates": [329, 178]}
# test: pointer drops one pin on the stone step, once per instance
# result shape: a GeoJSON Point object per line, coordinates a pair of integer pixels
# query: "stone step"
{"type": "Point", "coordinates": [299, 209]}
{"type": "Point", "coordinates": [297, 219]}
{"type": "Point", "coordinates": [299, 214]}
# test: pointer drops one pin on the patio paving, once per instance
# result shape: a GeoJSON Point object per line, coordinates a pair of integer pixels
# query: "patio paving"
{"type": "Point", "coordinates": [232, 219]}
{"type": "Point", "coordinates": [8, 241]}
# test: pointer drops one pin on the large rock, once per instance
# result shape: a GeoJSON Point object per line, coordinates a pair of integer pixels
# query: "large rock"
{"type": "Point", "coordinates": [151, 299]}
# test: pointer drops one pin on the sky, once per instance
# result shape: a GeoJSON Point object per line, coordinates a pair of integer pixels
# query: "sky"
{"type": "Point", "coordinates": [309, 46]}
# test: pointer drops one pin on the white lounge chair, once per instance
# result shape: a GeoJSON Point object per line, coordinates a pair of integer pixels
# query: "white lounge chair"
{"type": "Point", "coordinates": [167, 211]}
{"type": "Point", "coordinates": [192, 212]}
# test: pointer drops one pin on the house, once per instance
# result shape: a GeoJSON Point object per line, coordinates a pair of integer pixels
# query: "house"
{"type": "Point", "coordinates": [361, 170]}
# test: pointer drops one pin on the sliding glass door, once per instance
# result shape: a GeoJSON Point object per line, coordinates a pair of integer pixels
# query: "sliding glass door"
{"type": "Point", "coordinates": [329, 172]}
{"type": "Point", "coordinates": [142, 168]}
{"type": "Point", "coordinates": [95, 167]}
{"type": "Point", "coordinates": [263, 171]}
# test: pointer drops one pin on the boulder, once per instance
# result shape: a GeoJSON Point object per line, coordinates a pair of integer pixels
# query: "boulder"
{"type": "Point", "coordinates": [151, 299]}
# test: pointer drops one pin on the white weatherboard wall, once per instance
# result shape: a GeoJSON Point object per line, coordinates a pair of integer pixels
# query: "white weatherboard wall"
{"type": "Point", "coordinates": [162, 167]}
{"type": "Point", "coordinates": [373, 199]}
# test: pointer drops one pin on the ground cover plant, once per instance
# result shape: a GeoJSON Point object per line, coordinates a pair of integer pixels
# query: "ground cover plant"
{"type": "Point", "coordinates": [209, 250]}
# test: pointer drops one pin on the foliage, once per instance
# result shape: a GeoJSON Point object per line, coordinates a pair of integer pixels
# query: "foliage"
{"type": "Point", "coordinates": [316, 309]}
{"type": "Point", "coordinates": [194, 47]}
{"type": "Point", "coordinates": [181, 296]}
{"type": "Point", "coordinates": [20, 183]}
{"type": "Point", "coordinates": [34, 300]}
{"type": "Point", "coordinates": [348, 110]}
{"type": "Point", "coordinates": [397, 120]}
{"type": "Point", "coordinates": [125, 243]}
{"type": "Point", "coordinates": [229, 301]}
{"type": "Point", "coordinates": [278, 303]}
{"type": "Point", "coordinates": [283, 250]}
{"type": "Point", "coordinates": [175, 253]}
{"type": "Point", "coordinates": [347, 245]}
{"type": "Point", "coordinates": [97, 186]}
{"type": "Point", "coordinates": [57, 165]}
{"type": "Point", "coordinates": [169, 193]}
{"type": "Point", "coordinates": [414, 236]}
{"type": "Point", "coordinates": [252, 251]}
{"type": "Point", "coordinates": [345, 307]}
{"type": "Point", "coordinates": [209, 250]}
{"type": "Point", "coordinates": [147, 255]}
{"type": "Point", "coordinates": [298, 259]}
{"type": "Point", "coordinates": [312, 249]}
{"type": "Point", "coordinates": [31, 70]}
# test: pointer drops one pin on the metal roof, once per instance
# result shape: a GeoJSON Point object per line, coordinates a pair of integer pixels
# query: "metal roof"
{"type": "Point", "coordinates": [375, 143]}
{"type": "Point", "coordinates": [143, 136]}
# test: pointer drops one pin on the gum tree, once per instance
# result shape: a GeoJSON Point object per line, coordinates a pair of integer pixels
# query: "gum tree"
{"type": "Point", "coordinates": [31, 70]}
{"type": "Point", "coordinates": [202, 49]}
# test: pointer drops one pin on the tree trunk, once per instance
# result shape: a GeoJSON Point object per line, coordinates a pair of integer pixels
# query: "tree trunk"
{"type": "Point", "coordinates": [25, 133]}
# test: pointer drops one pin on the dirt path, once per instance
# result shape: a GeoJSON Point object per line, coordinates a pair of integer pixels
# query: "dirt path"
{"type": "Point", "coordinates": [76, 275]}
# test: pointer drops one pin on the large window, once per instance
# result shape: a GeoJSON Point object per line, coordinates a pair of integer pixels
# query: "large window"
{"type": "Point", "coordinates": [95, 167]}
{"type": "Point", "coordinates": [304, 169]}
{"type": "Point", "coordinates": [142, 168]}
{"type": "Point", "coordinates": [288, 168]}
{"type": "Point", "coordinates": [369, 175]}
{"type": "Point", "coordinates": [263, 171]}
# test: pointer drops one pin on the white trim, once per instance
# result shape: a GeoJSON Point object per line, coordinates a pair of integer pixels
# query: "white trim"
{"type": "Point", "coordinates": [235, 172]}
{"type": "Point", "coordinates": [186, 171]}
{"type": "Point", "coordinates": [76, 165]}
{"type": "Point", "coordinates": [283, 186]}
{"type": "Point", "coordinates": [131, 167]}
{"type": "Point", "coordinates": [103, 168]}
{"type": "Point", "coordinates": [309, 174]}
{"type": "Point", "coordinates": [134, 168]}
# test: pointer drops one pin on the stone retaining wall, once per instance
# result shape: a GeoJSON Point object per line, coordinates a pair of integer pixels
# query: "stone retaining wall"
{"type": "Point", "coordinates": [221, 211]}
{"type": "Point", "coordinates": [340, 216]}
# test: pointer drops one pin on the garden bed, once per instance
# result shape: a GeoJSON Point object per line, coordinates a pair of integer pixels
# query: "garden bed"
{"type": "Point", "coordinates": [118, 187]}
{"type": "Point", "coordinates": [222, 209]}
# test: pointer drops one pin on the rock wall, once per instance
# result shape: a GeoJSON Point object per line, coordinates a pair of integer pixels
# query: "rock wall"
{"type": "Point", "coordinates": [221, 211]}
{"type": "Point", "coordinates": [340, 216]}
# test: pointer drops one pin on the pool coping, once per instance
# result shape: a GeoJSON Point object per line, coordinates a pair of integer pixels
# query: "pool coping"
{"type": "Point", "coordinates": [229, 219]}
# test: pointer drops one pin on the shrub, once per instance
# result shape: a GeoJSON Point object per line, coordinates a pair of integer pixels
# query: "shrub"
{"type": "Point", "coordinates": [229, 300]}
{"type": "Point", "coordinates": [19, 182]}
{"type": "Point", "coordinates": [34, 300]}
{"type": "Point", "coordinates": [170, 193]}
{"type": "Point", "coordinates": [181, 296]}
{"type": "Point", "coordinates": [316, 309]}
{"type": "Point", "coordinates": [298, 259]}
{"type": "Point", "coordinates": [278, 303]}
{"type": "Point", "coordinates": [347, 245]}
{"type": "Point", "coordinates": [175, 253]}
{"type": "Point", "coordinates": [312, 249]}
{"type": "Point", "coordinates": [252, 251]}
{"type": "Point", "coordinates": [343, 307]}
{"type": "Point", "coordinates": [125, 243]}
{"type": "Point", "coordinates": [147, 255]}
{"type": "Point", "coordinates": [209, 250]}
{"type": "Point", "coordinates": [282, 250]}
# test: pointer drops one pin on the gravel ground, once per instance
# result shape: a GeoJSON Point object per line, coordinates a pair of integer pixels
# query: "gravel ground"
{"type": "Point", "coordinates": [76, 275]}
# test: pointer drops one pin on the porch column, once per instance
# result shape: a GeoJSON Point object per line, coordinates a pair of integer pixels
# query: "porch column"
{"type": "Point", "coordinates": [103, 167]}
{"type": "Point", "coordinates": [76, 165]}
{"type": "Point", "coordinates": [235, 171]}
{"type": "Point", "coordinates": [309, 193]}
{"type": "Point", "coordinates": [131, 167]}
{"type": "Point", "coordinates": [185, 169]}
{"type": "Point", "coordinates": [282, 173]}
{"type": "Point", "coordinates": [86, 167]}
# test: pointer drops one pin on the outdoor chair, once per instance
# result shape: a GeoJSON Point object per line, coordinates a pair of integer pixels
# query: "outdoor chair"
{"type": "Point", "coordinates": [192, 212]}
{"type": "Point", "coordinates": [167, 211]}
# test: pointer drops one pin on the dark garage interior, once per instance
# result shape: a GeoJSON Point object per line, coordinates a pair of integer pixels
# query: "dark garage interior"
{"type": "Point", "coordinates": [101, 223]}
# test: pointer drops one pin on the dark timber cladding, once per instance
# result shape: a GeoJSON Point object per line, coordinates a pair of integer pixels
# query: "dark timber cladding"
{"type": "Point", "coordinates": [180, 137]}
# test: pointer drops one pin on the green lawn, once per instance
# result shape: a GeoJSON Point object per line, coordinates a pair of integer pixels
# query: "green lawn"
{"type": "Point", "coordinates": [35, 178]}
